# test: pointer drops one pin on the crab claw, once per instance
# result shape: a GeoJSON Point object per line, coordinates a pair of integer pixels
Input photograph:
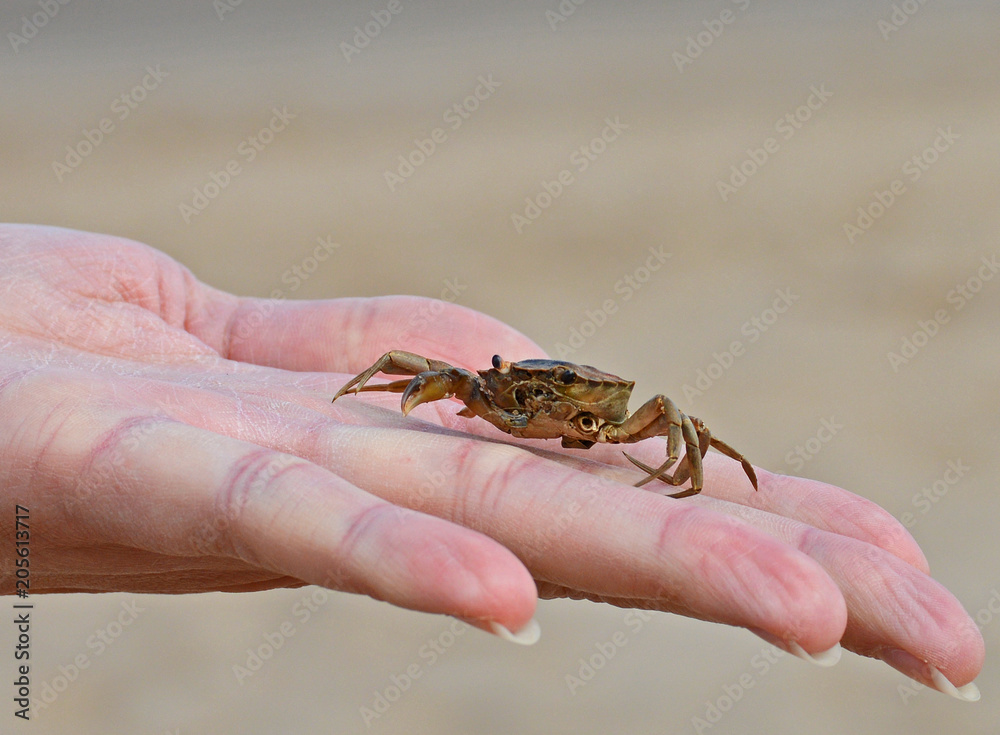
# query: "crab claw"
{"type": "Point", "coordinates": [427, 386]}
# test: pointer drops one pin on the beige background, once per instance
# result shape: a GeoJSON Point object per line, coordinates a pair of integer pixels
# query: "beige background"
{"type": "Point", "coordinates": [655, 186]}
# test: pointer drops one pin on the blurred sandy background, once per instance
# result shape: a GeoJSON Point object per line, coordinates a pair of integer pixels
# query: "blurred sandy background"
{"type": "Point", "coordinates": [894, 80]}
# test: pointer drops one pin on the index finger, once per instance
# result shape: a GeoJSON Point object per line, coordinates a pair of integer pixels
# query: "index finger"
{"type": "Point", "coordinates": [349, 334]}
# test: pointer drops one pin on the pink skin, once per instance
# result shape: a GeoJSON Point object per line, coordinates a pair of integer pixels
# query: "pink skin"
{"type": "Point", "coordinates": [168, 437]}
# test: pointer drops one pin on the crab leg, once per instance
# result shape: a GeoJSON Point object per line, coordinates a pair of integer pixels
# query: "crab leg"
{"type": "Point", "coordinates": [733, 454]}
{"type": "Point", "coordinates": [656, 417]}
{"type": "Point", "coordinates": [396, 362]}
{"type": "Point", "coordinates": [706, 440]}
{"type": "Point", "coordinates": [683, 472]}
{"type": "Point", "coordinates": [675, 480]}
{"type": "Point", "coordinates": [432, 380]}
{"type": "Point", "coordinates": [691, 463]}
{"type": "Point", "coordinates": [684, 469]}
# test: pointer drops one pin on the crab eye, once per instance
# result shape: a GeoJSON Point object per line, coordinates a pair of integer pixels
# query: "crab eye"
{"type": "Point", "coordinates": [586, 423]}
{"type": "Point", "coordinates": [497, 361]}
{"type": "Point", "coordinates": [567, 376]}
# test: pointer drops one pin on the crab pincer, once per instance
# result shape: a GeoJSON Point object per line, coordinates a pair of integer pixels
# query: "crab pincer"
{"type": "Point", "coordinates": [430, 385]}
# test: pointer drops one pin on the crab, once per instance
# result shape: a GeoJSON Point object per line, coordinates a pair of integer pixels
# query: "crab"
{"type": "Point", "coordinates": [553, 399]}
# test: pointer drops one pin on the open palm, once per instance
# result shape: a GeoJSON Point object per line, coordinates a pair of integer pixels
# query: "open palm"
{"type": "Point", "coordinates": [169, 437]}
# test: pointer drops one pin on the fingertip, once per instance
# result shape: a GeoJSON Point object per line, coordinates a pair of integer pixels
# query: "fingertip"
{"type": "Point", "coordinates": [800, 604]}
{"type": "Point", "coordinates": [932, 676]}
{"type": "Point", "coordinates": [468, 575]}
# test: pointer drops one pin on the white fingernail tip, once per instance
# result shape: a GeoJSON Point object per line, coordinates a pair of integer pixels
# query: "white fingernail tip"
{"type": "Point", "coordinates": [526, 636]}
{"type": "Point", "coordinates": [825, 658]}
{"type": "Point", "coordinates": [967, 693]}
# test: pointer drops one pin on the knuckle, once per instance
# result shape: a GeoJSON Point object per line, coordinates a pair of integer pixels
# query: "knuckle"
{"type": "Point", "coordinates": [257, 475]}
{"type": "Point", "coordinates": [484, 474]}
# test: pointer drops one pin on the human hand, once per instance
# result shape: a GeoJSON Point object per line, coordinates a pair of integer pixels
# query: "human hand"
{"type": "Point", "coordinates": [168, 437]}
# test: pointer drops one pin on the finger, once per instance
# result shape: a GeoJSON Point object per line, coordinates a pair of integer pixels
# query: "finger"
{"type": "Point", "coordinates": [598, 536]}
{"type": "Point", "coordinates": [896, 612]}
{"type": "Point", "coordinates": [166, 306]}
{"type": "Point", "coordinates": [818, 504]}
{"type": "Point", "coordinates": [285, 514]}
{"type": "Point", "coordinates": [154, 484]}
{"type": "Point", "coordinates": [347, 335]}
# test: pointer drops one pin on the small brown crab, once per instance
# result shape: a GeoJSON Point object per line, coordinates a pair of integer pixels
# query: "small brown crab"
{"type": "Point", "coordinates": [549, 399]}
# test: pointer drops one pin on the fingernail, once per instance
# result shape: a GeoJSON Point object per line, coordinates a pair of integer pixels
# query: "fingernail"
{"type": "Point", "coordinates": [921, 671]}
{"type": "Point", "coordinates": [526, 636]}
{"type": "Point", "coordinates": [825, 658]}
{"type": "Point", "coordinates": [967, 693]}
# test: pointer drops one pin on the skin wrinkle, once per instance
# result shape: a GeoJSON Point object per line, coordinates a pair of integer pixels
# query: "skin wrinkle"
{"type": "Point", "coordinates": [226, 345]}
{"type": "Point", "coordinates": [109, 441]}
{"type": "Point", "coordinates": [124, 560]}
{"type": "Point", "coordinates": [361, 526]}
{"type": "Point", "coordinates": [485, 473]}
{"type": "Point", "coordinates": [504, 467]}
{"type": "Point", "coordinates": [208, 313]}
{"type": "Point", "coordinates": [51, 434]}
{"type": "Point", "coordinates": [544, 556]}
{"type": "Point", "coordinates": [896, 601]}
{"type": "Point", "coordinates": [233, 495]}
